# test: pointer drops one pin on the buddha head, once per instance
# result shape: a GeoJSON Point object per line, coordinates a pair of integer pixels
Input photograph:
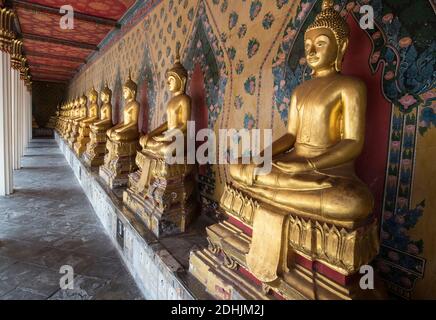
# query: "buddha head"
{"type": "Point", "coordinates": [83, 100]}
{"type": "Point", "coordinates": [177, 76]}
{"type": "Point", "coordinates": [130, 88]}
{"type": "Point", "coordinates": [93, 95]}
{"type": "Point", "coordinates": [326, 39]}
{"type": "Point", "coordinates": [106, 94]}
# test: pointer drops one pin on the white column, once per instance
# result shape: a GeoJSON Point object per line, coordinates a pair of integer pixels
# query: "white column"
{"type": "Point", "coordinates": [25, 116]}
{"type": "Point", "coordinates": [20, 121]}
{"type": "Point", "coordinates": [14, 95]}
{"type": "Point", "coordinates": [29, 124]}
{"type": "Point", "coordinates": [6, 173]}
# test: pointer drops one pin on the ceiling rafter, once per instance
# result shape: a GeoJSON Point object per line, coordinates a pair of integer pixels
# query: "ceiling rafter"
{"type": "Point", "coordinates": [69, 43]}
{"type": "Point", "coordinates": [77, 15]}
{"type": "Point", "coordinates": [51, 71]}
{"type": "Point", "coordinates": [53, 56]}
{"type": "Point", "coordinates": [53, 67]}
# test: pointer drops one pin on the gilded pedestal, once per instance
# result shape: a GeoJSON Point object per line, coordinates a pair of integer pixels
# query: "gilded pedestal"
{"type": "Point", "coordinates": [95, 149]}
{"type": "Point", "coordinates": [74, 134]}
{"type": "Point", "coordinates": [305, 227]}
{"type": "Point", "coordinates": [82, 139]}
{"type": "Point", "coordinates": [343, 250]}
{"type": "Point", "coordinates": [162, 194]}
{"type": "Point", "coordinates": [118, 163]}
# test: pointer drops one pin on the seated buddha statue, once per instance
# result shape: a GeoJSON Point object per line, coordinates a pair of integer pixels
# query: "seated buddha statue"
{"type": "Point", "coordinates": [122, 141]}
{"type": "Point", "coordinates": [83, 114]}
{"type": "Point", "coordinates": [160, 191]}
{"type": "Point", "coordinates": [105, 120]}
{"type": "Point", "coordinates": [313, 163]}
{"type": "Point", "coordinates": [96, 147]}
{"type": "Point", "coordinates": [311, 205]}
{"type": "Point", "coordinates": [83, 139]}
{"type": "Point", "coordinates": [128, 129]}
{"type": "Point", "coordinates": [178, 113]}
{"type": "Point", "coordinates": [74, 113]}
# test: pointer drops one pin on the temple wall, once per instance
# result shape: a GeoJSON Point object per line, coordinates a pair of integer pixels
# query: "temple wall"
{"type": "Point", "coordinates": [251, 55]}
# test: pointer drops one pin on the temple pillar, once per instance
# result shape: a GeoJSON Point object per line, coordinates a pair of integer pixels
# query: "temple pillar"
{"type": "Point", "coordinates": [6, 166]}
{"type": "Point", "coordinates": [15, 96]}
{"type": "Point", "coordinates": [29, 120]}
{"type": "Point", "coordinates": [14, 110]}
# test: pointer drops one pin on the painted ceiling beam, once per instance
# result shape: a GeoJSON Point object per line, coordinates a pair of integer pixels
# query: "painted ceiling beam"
{"type": "Point", "coordinates": [55, 73]}
{"type": "Point", "coordinates": [53, 56]}
{"type": "Point", "coordinates": [52, 67]}
{"type": "Point", "coordinates": [77, 15]}
{"type": "Point", "coordinates": [69, 43]}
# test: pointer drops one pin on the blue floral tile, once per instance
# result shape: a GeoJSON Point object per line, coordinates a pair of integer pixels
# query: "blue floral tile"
{"type": "Point", "coordinates": [255, 8]}
{"type": "Point", "coordinates": [239, 67]}
{"type": "Point", "coordinates": [250, 85]}
{"type": "Point", "coordinates": [233, 20]}
{"type": "Point", "coordinates": [268, 21]}
{"type": "Point", "coordinates": [242, 31]}
{"type": "Point", "coordinates": [253, 47]}
{"type": "Point", "coordinates": [239, 102]}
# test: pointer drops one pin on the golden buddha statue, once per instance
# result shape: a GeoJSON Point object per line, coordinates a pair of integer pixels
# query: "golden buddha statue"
{"type": "Point", "coordinates": [311, 205]}
{"type": "Point", "coordinates": [178, 112]}
{"type": "Point", "coordinates": [96, 148]}
{"type": "Point", "coordinates": [83, 139]}
{"type": "Point", "coordinates": [162, 193]}
{"type": "Point", "coordinates": [73, 114]}
{"type": "Point", "coordinates": [128, 129]}
{"type": "Point", "coordinates": [82, 115]}
{"type": "Point", "coordinates": [122, 141]}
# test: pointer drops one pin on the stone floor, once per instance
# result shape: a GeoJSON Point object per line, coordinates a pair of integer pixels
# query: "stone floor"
{"type": "Point", "coordinates": [48, 223]}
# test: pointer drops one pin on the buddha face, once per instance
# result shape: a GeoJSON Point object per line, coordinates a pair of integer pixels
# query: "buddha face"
{"type": "Point", "coordinates": [93, 98]}
{"type": "Point", "coordinates": [173, 84]}
{"type": "Point", "coordinates": [104, 97]}
{"type": "Point", "coordinates": [321, 49]}
{"type": "Point", "coordinates": [127, 93]}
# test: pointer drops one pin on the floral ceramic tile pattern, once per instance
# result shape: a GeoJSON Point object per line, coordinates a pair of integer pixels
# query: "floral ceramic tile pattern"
{"type": "Point", "coordinates": [252, 57]}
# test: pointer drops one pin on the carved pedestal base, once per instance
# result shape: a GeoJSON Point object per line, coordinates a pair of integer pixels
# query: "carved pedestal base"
{"type": "Point", "coordinates": [82, 140]}
{"type": "Point", "coordinates": [66, 131]}
{"type": "Point", "coordinates": [322, 260]}
{"type": "Point", "coordinates": [118, 163]}
{"type": "Point", "coordinates": [73, 135]}
{"type": "Point", "coordinates": [166, 201]}
{"type": "Point", "coordinates": [96, 149]}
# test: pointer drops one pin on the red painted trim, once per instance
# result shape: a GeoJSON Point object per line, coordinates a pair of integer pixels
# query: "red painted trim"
{"type": "Point", "coordinates": [244, 228]}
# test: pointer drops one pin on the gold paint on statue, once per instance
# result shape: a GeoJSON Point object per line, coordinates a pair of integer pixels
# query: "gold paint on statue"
{"type": "Point", "coordinates": [96, 148]}
{"type": "Point", "coordinates": [122, 141]}
{"type": "Point", "coordinates": [81, 112]}
{"type": "Point", "coordinates": [83, 139]}
{"type": "Point", "coordinates": [311, 203]}
{"type": "Point", "coordinates": [72, 115]}
{"type": "Point", "coordinates": [161, 193]}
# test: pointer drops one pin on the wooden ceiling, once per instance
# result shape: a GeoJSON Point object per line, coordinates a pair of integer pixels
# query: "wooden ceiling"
{"type": "Point", "coordinates": [55, 54]}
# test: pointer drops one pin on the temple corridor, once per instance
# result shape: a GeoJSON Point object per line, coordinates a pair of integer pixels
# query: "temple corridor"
{"type": "Point", "coordinates": [193, 150]}
{"type": "Point", "coordinates": [48, 223]}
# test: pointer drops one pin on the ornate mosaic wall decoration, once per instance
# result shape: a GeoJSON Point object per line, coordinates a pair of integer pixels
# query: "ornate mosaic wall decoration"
{"type": "Point", "coordinates": [405, 53]}
{"type": "Point", "coordinates": [252, 57]}
{"type": "Point", "coordinates": [203, 48]}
